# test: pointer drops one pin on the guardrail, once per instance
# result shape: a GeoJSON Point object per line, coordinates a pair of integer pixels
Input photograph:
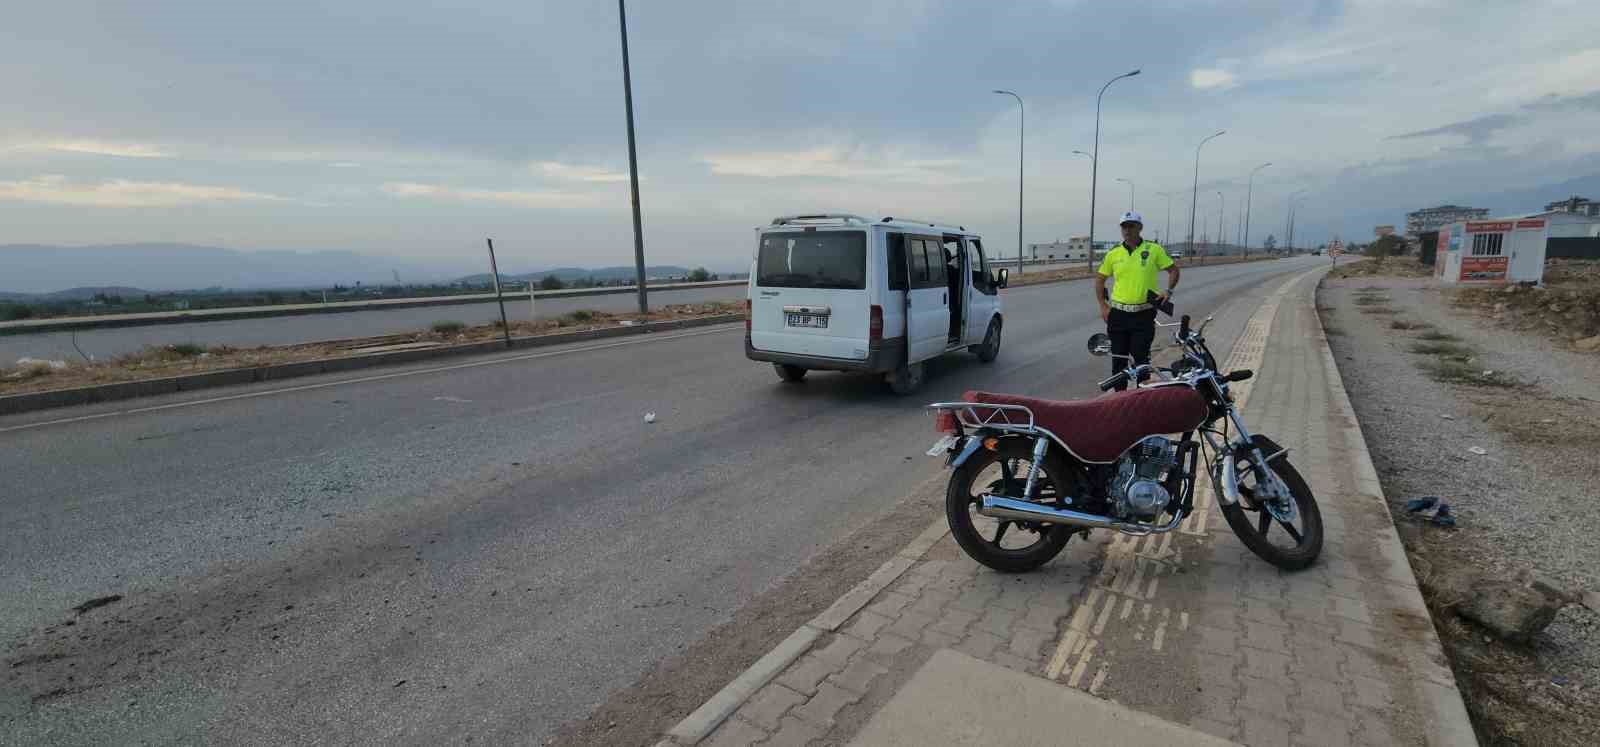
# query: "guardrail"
{"type": "Point", "coordinates": [29, 326]}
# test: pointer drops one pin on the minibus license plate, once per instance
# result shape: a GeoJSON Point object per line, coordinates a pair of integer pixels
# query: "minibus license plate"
{"type": "Point", "coordinates": [808, 320]}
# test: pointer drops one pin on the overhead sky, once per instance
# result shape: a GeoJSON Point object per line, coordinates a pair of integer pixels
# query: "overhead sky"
{"type": "Point", "coordinates": [413, 131]}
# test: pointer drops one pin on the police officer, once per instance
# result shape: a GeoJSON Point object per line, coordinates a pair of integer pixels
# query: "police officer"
{"type": "Point", "coordinates": [1130, 310]}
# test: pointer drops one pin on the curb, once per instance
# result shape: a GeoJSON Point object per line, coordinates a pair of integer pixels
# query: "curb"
{"type": "Point", "coordinates": [705, 719]}
{"type": "Point", "coordinates": [1445, 713]}
{"type": "Point", "coordinates": [13, 404]}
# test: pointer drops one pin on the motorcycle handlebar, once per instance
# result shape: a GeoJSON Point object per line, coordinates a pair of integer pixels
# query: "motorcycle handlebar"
{"type": "Point", "coordinates": [1115, 379]}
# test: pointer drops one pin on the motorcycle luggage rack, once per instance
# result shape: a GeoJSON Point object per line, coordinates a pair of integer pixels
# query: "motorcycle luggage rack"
{"type": "Point", "coordinates": [999, 417]}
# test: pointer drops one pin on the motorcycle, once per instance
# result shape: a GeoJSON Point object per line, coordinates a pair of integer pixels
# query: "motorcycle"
{"type": "Point", "coordinates": [1051, 469]}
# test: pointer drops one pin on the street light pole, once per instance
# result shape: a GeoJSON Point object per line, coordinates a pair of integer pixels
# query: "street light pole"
{"type": "Point", "coordinates": [1222, 231]}
{"type": "Point", "coordinates": [1167, 234]}
{"type": "Point", "coordinates": [1130, 191]}
{"type": "Point", "coordinates": [1248, 194]}
{"type": "Point", "coordinates": [633, 162]}
{"type": "Point", "coordinates": [1094, 176]}
{"type": "Point", "coordinates": [1289, 229]}
{"type": "Point", "coordinates": [1194, 198]}
{"type": "Point", "coordinates": [1021, 141]}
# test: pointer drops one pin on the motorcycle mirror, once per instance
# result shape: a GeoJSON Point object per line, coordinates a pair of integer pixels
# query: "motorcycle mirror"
{"type": "Point", "coordinates": [1100, 345]}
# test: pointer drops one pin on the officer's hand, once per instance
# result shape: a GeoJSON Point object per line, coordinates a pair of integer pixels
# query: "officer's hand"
{"type": "Point", "coordinates": [1105, 313]}
{"type": "Point", "coordinates": [1163, 295]}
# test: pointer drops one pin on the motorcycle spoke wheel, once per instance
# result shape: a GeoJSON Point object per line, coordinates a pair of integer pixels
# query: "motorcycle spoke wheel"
{"type": "Point", "coordinates": [1007, 545]}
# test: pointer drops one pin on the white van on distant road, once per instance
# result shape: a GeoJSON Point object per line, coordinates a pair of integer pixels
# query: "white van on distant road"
{"type": "Point", "coordinates": [836, 292]}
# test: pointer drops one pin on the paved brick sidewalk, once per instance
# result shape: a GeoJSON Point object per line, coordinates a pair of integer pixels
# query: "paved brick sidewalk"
{"type": "Point", "coordinates": [1188, 626]}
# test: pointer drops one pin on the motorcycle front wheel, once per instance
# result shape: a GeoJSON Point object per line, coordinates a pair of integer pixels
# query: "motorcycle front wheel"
{"type": "Point", "coordinates": [1296, 543]}
{"type": "Point", "coordinates": [1003, 544]}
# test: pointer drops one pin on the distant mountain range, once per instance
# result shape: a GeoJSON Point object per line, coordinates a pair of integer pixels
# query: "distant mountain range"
{"type": "Point", "coordinates": [28, 271]}
{"type": "Point", "coordinates": [37, 268]}
{"type": "Point", "coordinates": [569, 274]}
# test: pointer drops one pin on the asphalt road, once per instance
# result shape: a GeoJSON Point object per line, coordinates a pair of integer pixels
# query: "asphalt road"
{"type": "Point", "coordinates": [482, 549]}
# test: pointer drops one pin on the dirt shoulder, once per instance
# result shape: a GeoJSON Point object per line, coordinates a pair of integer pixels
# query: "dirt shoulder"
{"type": "Point", "coordinates": [1500, 426]}
{"type": "Point", "coordinates": [177, 360]}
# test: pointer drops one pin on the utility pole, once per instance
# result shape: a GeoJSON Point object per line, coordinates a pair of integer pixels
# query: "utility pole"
{"type": "Point", "coordinates": [633, 162]}
{"type": "Point", "coordinates": [494, 271]}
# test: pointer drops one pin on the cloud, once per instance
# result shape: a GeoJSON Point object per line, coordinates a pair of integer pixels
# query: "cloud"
{"type": "Point", "coordinates": [96, 147]}
{"type": "Point", "coordinates": [556, 170]}
{"type": "Point", "coordinates": [1584, 102]}
{"type": "Point", "coordinates": [1206, 78]}
{"type": "Point", "coordinates": [1475, 130]}
{"type": "Point", "coordinates": [540, 199]}
{"type": "Point", "coordinates": [841, 163]}
{"type": "Point", "coordinates": [121, 193]}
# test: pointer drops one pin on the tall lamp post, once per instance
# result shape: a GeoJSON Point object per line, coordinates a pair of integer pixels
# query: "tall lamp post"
{"type": "Point", "coordinates": [1249, 192]}
{"type": "Point", "coordinates": [1289, 229]}
{"type": "Point", "coordinates": [1194, 198]}
{"type": "Point", "coordinates": [1094, 175]}
{"type": "Point", "coordinates": [633, 162]}
{"type": "Point", "coordinates": [1167, 234]}
{"type": "Point", "coordinates": [1130, 191]}
{"type": "Point", "coordinates": [1021, 140]}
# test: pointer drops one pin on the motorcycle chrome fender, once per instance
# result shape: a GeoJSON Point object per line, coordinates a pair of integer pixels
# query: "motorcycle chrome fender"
{"type": "Point", "coordinates": [1225, 475]}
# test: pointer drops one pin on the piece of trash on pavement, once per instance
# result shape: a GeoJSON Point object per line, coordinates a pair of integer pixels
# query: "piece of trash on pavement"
{"type": "Point", "coordinates": [1479, 450]}
{"type": "Point", "coordinates": [649, 417]}
{"type": "Point", "coordinates": [1422, 504]}
{"type": "Point", "coordinates": [627, 322]}
{"type": "Point", "coordinates": [1432, 509]}
{"type": "Point", "coordinates": [1448, 417]}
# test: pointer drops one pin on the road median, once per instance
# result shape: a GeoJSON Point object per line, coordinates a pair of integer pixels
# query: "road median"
{"type": "Point", "coordinates": [12, 404]}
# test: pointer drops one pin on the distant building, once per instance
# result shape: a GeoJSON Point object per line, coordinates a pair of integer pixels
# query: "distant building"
{"type": "Point", "coordinates": [1382, 231]}
{"type": "Point", "coordinates": [1076, 247]}
{"type": "Point", "coordinates": [1575, 204]}
{"type": "Point", "coordinates": [1431, 219]}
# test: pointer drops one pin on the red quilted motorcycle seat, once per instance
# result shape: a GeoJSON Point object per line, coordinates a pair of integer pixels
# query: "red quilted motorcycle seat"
{"type": "Point", "coordinates": [1100, 429]}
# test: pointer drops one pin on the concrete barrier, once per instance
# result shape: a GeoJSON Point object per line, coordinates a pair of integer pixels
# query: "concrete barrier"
{"type": "Point", "coordinates": [12, 404]}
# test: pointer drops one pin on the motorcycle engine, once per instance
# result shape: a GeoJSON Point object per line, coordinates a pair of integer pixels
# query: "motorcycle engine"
{"type": "Point", "coordinates": [1136, 490]}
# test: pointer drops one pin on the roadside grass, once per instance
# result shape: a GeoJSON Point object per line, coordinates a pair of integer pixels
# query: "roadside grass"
{"type": "Point", "coordinates": [1437, 336]}
{"type": "Point", "coordinates": [1332, 331]}
{"type": "Point", "coordinates": [1406, 324]}
{"type": "Point", "coordinates": [448, 327]}
{"type": "Point", "coordinates": [1379, 310]}
{"type": "Point", "coordinates": [1371, 300]}
{"type": "Point", "coordinates": [1450, 370]}
{"type": "Point", "coordinates": [1443, 350]}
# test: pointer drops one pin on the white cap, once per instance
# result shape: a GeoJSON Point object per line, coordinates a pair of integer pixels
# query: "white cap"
{"type": "Point", "coordinates": [1131, 217]}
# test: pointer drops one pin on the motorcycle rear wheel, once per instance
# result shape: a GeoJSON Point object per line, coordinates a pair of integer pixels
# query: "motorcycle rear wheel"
{"type": "Point", "coordinates": [998, 543]}
{"type": "Point", "coordinates": [1254, 525]}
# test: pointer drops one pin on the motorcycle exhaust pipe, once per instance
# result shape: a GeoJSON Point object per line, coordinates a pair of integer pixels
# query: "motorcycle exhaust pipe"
{"type": "Point", "coordinates": [1000, 507]}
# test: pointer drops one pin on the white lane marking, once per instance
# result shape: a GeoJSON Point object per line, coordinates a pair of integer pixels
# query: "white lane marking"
{"type": "Point", "coordinates": [361, 380]}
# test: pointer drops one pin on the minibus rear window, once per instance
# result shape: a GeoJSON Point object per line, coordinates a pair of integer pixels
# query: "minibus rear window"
{"type": "Point", "coordinates": [813, 259]}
